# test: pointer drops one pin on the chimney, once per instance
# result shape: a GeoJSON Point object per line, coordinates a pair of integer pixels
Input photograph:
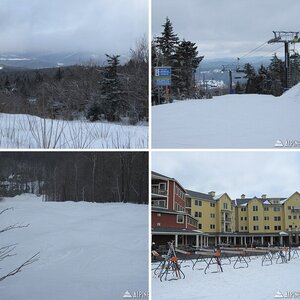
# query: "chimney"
{"type": "Point", "coordinates": [243, 196]}
{"type": "Point", "coordinates": [212, 193]}
{"type": "Point", "coordinates": [264, 196]}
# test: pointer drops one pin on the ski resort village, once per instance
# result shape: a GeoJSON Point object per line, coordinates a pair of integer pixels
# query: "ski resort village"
{"type": "Point", "coordinates": [223, 248]}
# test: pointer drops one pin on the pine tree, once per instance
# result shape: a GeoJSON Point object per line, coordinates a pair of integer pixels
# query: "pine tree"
{"type": "Point", "coordinates": [277, 73]}
{"type": "Point", "coordinates": [167, 43]}
{"type": "Point", "coordinates": [294, 68]}
{"type": "Point", "coordinates": [251, 87]}
{"type": "Point", "coordinates": [111, 89]}
{"type": "Point", "coordinates": [186, 62]}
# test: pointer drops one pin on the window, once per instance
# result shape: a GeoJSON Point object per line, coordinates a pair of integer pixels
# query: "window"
{"type": "Point", "coordinates": [277, 227]}
{"type": "Point", "coordinates": [163, 186]}
{"type": "Point", "coordinates": [212, 226]}
{"type": "Point", "coordinates": [295, 217]}
{"type": "Point", "coordinates": [255, 218]}
{"type": "Point", "coordinates": [290, 217]}
{"type": "Point", "coordinates": [179, 207]}
{"type": "Point", "coordinates": [266, 208]}
{"type": "Point", "coordinates": [255, 208]}
{"type": "Point", "coordinates": [212, 204]}
{"type": "Point", "coordinates": [198, 214]}
{"type": "Point", "coordinates": [245, 218]}
{"type": "Point", "coordinates": [159, 203]}
{"type": "Point", "coordinates": [267, 227]}
{"type": "Point", "coordinates": [225, 206]}
{"type": "Point", "coordinates": [179, 192]}
{"type": "Point", "coordinates": [242, 218]}
{"type": "Point", "coordinates": [276, 208]}
{"type": "Point", "coordinates": [198, 202]}
{"type": "Point", "coordinates": [246, 227]}
{"type": "Point", "coordinates": [192, 221]}
{"type": "Point", "coordinates": [276, 218]}
{"type": "Point", "coordinates": [199, 226]}
{"type": "Point", "coordinates": [289, 208]}
{"type": "Point", "coordinates": [180, 218]}
{"type": "Point", "coordinates": [242, 227]}
{"type": "Point", "coordinates": [299, 217]}
{"type": "Point", "coordinates": [243, 208]}
{"type": "Point", "coordinates": [255, 228]}
{"type": "Point", "coordinates": [212, 215]}
{"type": "Point", "coordinates": [266, 218]}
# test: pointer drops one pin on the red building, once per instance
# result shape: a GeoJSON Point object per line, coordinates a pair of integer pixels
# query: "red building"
{"type": "Point", "coordinates": [170, 219]}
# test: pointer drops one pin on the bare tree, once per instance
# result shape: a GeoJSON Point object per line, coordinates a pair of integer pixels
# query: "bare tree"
{"type": "Point", "coordinates": [8, 251]}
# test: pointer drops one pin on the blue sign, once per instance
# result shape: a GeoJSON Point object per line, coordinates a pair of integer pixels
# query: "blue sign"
{"type": "Point", "coordinates": [162, 71]}
{"type": "Point", "coordinates": [162, 82]}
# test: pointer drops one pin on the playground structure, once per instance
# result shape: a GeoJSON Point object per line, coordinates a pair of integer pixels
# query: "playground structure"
{"type": "Point", "coordinates": [238, 257]}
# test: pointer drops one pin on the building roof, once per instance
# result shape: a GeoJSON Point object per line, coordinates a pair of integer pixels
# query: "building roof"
{"type": "Point", "coordinates": [160, 175]}
{"type": "Point", "coordinates": [200, 195]}
{"type": "Point", "coordinates": [265, 201]}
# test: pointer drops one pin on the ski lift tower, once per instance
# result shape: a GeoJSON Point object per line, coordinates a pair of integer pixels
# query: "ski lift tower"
{"type": "Point", "coordinates": [286, 37]}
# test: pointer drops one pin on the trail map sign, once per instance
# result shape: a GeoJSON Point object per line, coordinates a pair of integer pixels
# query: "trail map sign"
{"type": "Point", "coordinates": [162, 76]}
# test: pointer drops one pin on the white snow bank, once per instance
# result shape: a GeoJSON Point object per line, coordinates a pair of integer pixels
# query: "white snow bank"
{"type": "Point", "coordinates": [293, 93]}
{"type": "Point", "coordinates": [25, 131]}
{"type": "Point", "coordinates": [255, 282]}
{"type": "Point", "coordinates": [230, 121]}
{"type": "Point", "coordinates": [88, 251]}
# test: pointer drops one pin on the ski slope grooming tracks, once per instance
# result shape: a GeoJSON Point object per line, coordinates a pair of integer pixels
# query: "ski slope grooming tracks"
{"type": "Point", "coordinates": [231, 121]}
{"type": "Point", "coordinates": [25, 131]}
{"type": "Point", "coordinates": [255, 282]}
{"type": "Point", "coordinates": [88, 251]}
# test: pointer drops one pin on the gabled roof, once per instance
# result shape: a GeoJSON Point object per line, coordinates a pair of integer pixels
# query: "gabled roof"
{"type": "Point", "coordinates": [200, 195]}
{"type": "Point", "coordinates": [264, 201]}
{"type": "Point", "coordinates": [163, 177]}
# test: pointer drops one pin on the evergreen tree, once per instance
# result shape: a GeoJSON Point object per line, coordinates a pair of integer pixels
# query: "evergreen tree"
{"type": "Point", "coordinates": [186, 62]}
{"type": "Point", "coordinates": [167, 43]}
{"type": "Point", "coordinates": [264, 80]}
{"type": "Point", "coordinates": [294, 68]}
{"type": "Point", "coordinates": [113, 102]}
{"type": "Point", "coordinates": [277, 74]}
{"type": "Point", "coordinates": [251, 87]}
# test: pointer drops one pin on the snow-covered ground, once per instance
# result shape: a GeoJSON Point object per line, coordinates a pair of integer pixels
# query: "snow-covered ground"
{"type": "Point", "coordinates": [230, 121]}
{"type": "Point", "coordinates": [88, 251]}
{"type": "Point", "coordinates": [25, 131]}
{"type": "Point", "coordinates": [255, 282]}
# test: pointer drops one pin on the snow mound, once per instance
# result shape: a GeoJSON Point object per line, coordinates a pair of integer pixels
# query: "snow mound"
{"type": "Point", "coordinates": [293, 93]}
{"type": "Point", "coordinates": [88, 251]}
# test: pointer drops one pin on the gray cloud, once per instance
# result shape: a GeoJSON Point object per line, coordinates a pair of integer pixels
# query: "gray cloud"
{"type": "Point", "coordinates": [225, 28]}
{"type": "Point", "coordinates": [250, 173]}
{"type": "Point", "coordinates": [72, 25]}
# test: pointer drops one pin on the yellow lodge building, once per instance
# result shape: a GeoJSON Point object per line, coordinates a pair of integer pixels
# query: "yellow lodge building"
{"type": "Point", "coordinates": [258, 220]}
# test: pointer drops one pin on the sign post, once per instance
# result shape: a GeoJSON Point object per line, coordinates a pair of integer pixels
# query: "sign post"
{"type": "Point", "coordinates": [162, 77]}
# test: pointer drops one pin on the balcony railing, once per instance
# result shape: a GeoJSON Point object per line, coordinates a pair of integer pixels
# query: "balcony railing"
{"type": "Point", "coordinates": [295, 209]}
{"type": "Point", "coordinates": [157, 191]}
{"type": "Point", "coordinates": [227, 220]}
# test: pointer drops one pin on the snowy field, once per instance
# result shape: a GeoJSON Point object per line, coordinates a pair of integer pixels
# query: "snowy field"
{"type": "Point", "coordinates": [88, 251]}
{"type": "Point", "coordinates": [25, 131]}
{"type": "Point", "coordinates": [230, 121]}
{"type": "Point", "coordinates": [255, 282]}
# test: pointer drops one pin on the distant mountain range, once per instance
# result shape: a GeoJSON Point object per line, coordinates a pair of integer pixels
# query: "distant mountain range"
{"type": "Point", "coordinates": [48, 60]}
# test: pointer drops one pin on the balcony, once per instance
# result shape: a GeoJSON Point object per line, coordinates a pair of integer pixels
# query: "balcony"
{"type": "Point", "coordinates": [157, 191]}
{"type": "Point", "coordinates": [226, 220]}
{"type": "Point", "coordinates": [295, 209]}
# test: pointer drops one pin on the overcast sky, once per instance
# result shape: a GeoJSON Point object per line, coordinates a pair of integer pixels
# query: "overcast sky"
{"type": "Point", "coordinates": [227, 28]}
{"type": "Point", "coordinates": [276, 174]}
{"type": "Point", "coordinates": [105, 26]}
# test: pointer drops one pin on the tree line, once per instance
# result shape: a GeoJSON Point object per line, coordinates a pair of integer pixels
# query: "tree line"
{"type": "Point", "coordinates": [181, 56]}
{"type": "Point", "coordinates": [113, 92]}
{"type": "Point", "coordinates": [70, 176]}
{"type": "Point", "coordinates": [271, 79]}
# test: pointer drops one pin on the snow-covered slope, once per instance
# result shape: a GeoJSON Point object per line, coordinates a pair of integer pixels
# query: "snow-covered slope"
{"type": "Point", "coordinates": [25, 131]}
{"type": "Point", "coordinates": [255, 282]}
{"type": "Point", "coordinates": [231, 121]}
{"type": "Point", "coordinates": [88, 251]}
